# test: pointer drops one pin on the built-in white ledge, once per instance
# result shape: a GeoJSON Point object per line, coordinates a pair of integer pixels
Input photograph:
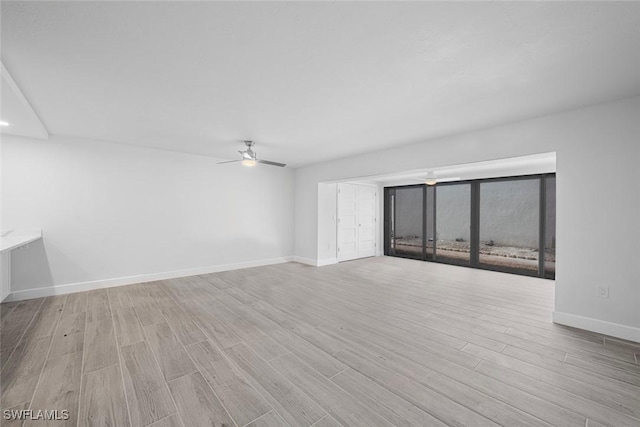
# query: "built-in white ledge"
{"type": "Point", "coordinates": [12, 239]}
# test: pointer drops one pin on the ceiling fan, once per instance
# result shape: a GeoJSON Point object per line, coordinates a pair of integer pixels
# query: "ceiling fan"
{"type": "Point", "coordinates": [249, 157]}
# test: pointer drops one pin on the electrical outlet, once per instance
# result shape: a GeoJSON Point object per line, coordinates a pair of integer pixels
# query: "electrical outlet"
{"type": "Point", "coordinates": [603, 291]}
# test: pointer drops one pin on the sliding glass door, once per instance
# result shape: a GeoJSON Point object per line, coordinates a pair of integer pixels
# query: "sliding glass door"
{"type": "Point", "coordinates": [502, 224]}
{"type": "Point", "coordinates": [406, 224]}
{"type": "Point", "coordinates": [430, 223]}
{"type": "Point", "coordinates": [509, 225]}
{"type": "Point", "coordinates": [453, 223]}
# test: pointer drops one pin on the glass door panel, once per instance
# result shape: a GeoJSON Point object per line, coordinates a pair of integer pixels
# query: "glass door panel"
{"type": "Point", "coordinates": [430, 225]}
{"type": "Point", "coordinates": [509, 225]}
{"type": "Point", "coordinates": [452, 224]}
{"type": "Point", "coordinates": [408, 222]}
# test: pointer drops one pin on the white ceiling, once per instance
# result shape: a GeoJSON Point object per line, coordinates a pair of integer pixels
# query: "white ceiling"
{"type": "Point", "coordinates": [312, 81]}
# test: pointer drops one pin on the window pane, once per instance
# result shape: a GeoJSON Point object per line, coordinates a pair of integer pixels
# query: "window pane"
{"type": "Point", "coordinates": [453, 221]}
{"type": "Point", "coordinates": [430, 223]}
{"type": "Point", "coordinates": [509, 224]}
{"type": "Point", "coordinates": [407, 232]}
{"type": "Point", "coordinates": [550, 229]}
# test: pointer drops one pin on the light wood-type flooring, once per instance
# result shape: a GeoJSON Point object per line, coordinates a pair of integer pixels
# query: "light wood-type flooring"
{"type": "Point", "coordinates": [375, 342]}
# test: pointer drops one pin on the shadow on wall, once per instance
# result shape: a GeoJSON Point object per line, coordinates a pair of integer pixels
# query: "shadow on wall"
{"type": "Point", "coordinates": [30, 263]}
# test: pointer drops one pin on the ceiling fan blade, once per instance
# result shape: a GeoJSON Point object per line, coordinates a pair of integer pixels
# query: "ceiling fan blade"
{"type": "Point", "coordinates": [267, 162]}
{"type": "Point", "coordinates": [457, 178]}
{"type": "Point", "coordinates": [228, 161]}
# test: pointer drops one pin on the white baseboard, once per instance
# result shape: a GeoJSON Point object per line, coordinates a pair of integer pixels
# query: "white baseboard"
{"type": "Point", "coordinates": [315, 263]}
{"type": "Point", "coordinates": [130, 280]}
{"type": "Point", "coordinates": [328, 261]}
{"type": "Point", "coordinates": [600, 326]}
{"type": "Point", "coordinates": [307, 261]}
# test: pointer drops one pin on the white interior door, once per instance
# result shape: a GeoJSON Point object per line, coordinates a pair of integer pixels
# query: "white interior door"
{"type": "Point", "coordinates": [347, 222]}
{"type": "Point", "coordinates": [366, 207]}
{"type": "Point", "coordinates": [356, 221]}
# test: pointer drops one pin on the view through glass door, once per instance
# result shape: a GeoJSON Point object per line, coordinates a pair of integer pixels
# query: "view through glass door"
{"type": "Point", "coordinates": [500, 224]}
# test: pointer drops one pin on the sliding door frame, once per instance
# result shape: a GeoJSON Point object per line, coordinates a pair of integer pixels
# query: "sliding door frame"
{"type": "Point", "coordinates": [474, 214]}
{"type": "Point", "coordinates": [391, 219]}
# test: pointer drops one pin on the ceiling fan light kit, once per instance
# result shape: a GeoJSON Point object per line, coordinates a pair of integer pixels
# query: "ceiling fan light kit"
{"type": "Point", "coordinates": [431, 178]}
{"type": "Point", "coordinates": [249, 157]}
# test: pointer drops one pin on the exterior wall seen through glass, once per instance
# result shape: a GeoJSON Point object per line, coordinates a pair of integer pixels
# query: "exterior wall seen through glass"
{"type": "Point", "coordinates": [500, 224]}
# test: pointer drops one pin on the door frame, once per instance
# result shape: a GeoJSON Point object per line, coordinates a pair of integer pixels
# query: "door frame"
{"type": "Point", "coordinates": [378, 235]}
{"type": "Point", "coordinates": [474, 217]}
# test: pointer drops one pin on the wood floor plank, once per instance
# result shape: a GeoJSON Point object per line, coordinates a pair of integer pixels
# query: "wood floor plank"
{"type": "Point", "coordinates": [100, 348]}
{"type": "Point", "coordinates": [119, 298]}
{"type": "Point", "coordinates": [291, 403]}
{"type": "Point", "coordinates": [243, 402]}
{"type": "Point", "coordinates": [271, 419]}
{"type": "Point", "coordinates": [183, 324]}
{"type": "Point", "coordinates": [149, 313]}
{"type": "Point", "coordinates": [440, 407]}
{"type": "Point", "coordinates": [197, 404]}
{"type": "Point", "coordinates": [146, 390]}
{"type": "Point", "coordinates": [240, 295]}
{"type": "Point", "coordinates": [15, 324]}
{"type": "Point", "coordinates": [379, 399]}
{"type": "Point", "coordinates": [97, 297]}
{"type": "Point", "coordinates": [619, 373]}
{"type": "Point", "coordinates": [69, 335]}
{"type": "Point", "coordinates": [338, 403]}
{"type": "Point", "coordinates": [127, 326]}
{"type": "Point", "coordinates": [173, 359]}
{"type": "Point", "coordinates": [628, 404]}
{"type": "Point", "coordinates": [170, 421]}
{"type": "Point", "coordinates": [21, 372]}
{"type": "Point", "coordinates": [312, 355]}
{"type": "Point", "coordinates": [46, 319]}
{"type": "Point", "coordinates": [591, 376]}
{"type": "Point", "coordinates": [576, 346]}
{"type": "Point", "coordinates": [98, 305]}
{"type": "Point", "coordinates": [137, 293]}
{"type": "Point", "coordinates": [103, 401]}
{"type": "Point", "coordinates": [570, 401]}
{"type": "Point", "coordinates": [58, 388]}
{"type": "Point", "coordinates": [252, 336]}
{"type": "Point", "coordinates": [299, 327]}
{"type": "Point", "coordinates": [443, 371]}
{"type": "Point", "coordinates": [327, 421]}
{"type": "Point", "coordinates": [288, 341]}
{"type": "Point", "coordinates": [6, 308]}
{"type": "Point", "coordinates": [213, 328]}
{"type": "Point", "coordinates": [76, 303]}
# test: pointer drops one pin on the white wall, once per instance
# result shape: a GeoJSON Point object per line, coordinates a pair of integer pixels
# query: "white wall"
{"type": "Point", "coordinates": [598, 202]}
{"type": "Point", "coordinates": [110, 211]}
{"type": "Point", "coordinates": [327, 225]}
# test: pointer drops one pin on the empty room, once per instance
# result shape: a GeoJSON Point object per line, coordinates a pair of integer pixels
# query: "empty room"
{"type": "Point", "coordinates": [319, 214]}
